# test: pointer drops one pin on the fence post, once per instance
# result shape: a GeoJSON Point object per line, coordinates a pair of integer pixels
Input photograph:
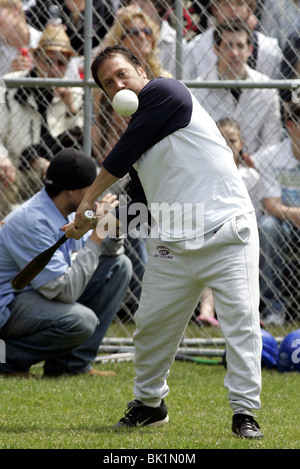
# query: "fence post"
{"type": "Point", "coordinates": [88, 108]}
{"type": "Point", "coordinates": [179, 35]}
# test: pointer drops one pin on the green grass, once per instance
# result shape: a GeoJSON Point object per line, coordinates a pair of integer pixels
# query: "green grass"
{"type": "Point", "coordinates": [77, 412]}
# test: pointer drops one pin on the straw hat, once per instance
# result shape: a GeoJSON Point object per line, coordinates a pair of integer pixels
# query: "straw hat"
{"type": "Point", "coordinates": [55, 38]}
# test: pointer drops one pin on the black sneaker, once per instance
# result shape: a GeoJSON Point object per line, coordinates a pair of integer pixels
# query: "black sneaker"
{"type": "Point", "coordinates": [140, 415]}
{"type": "Point", "coordinates": [244, 426]}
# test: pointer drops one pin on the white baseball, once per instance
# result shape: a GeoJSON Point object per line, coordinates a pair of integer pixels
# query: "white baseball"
{"type": "Point", "coordinates": [125, 102]}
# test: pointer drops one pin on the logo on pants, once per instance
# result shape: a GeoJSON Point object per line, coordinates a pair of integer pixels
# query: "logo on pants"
{"type": "Point", "coordinates": [163, 253]}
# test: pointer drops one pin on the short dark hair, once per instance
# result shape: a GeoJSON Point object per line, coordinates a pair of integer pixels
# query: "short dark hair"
{"type": "Point", "coordinates": [233, 27]}
{"type": "Point", "coordinates": [291, 57]}
{"type": "Point", "coordinates": [251, 4]}
{"type": "Point", "coordinates": [108, 53]}
{"type": "Point", "coordinates": [293, 113]}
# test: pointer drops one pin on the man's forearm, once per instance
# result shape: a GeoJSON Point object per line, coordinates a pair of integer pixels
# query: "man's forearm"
{"type": "Point", "coordinates": [103, 181]}
{"type": "Point", "coordinates": [69, 287]}
{"type": "Point", "coordinates": [276, 208]}
{"type": "Point", "coordinates": [81, 225]}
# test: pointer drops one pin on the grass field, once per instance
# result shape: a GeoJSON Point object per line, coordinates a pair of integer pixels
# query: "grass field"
{"type": "Point", "coordinates": [77, 412]}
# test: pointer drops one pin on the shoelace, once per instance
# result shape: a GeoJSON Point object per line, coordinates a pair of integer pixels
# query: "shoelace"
{"type": "Point", "coordinates": [250, 424]}
{"type": "Point", "coordinates": [128, 415]}
{"type": "Point", "coordinates": [134, 414]}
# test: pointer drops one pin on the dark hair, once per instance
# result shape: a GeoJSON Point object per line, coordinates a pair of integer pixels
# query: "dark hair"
{"type": "Point", "coordinates": [108, 53]}
{"type": "Point", "coordinates": [251, 4]}
{"type": "Point", "coordinates": [293, 112]}
{"type": "Point", "coordinates": [291, 56]}
{"type": "Point", "coordinates": [162, 6]}
{"type": "Point", "coordinates": [233, 27]}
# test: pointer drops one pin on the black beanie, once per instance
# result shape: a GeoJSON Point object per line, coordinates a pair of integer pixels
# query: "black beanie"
{"type": "Point", "coordinates": [70, 169]}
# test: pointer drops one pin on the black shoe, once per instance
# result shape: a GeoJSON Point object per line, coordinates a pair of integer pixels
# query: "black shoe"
{"type": "Point", "coordinates": [140, 415]}
{"type": "Point", "coordinates": [244, 426]}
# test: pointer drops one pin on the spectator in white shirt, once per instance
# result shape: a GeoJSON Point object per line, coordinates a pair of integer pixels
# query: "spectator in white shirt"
{"type": "Point", "coordinates": [16, 36]}
{"type": "Point", "coordinates": [31, 116]}
{"type": "Point", "coordinates": [280, 19]}
{"type": "Point", "coordinates": [256, 110]}
{"type": "Point", "coordinates": [265, 56]}
{"type": "Point", "coordinates": [280, 229]}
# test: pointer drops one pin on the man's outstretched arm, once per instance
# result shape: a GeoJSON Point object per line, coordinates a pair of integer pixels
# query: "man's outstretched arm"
{"type": "Point", "coordinates": [81, 225]}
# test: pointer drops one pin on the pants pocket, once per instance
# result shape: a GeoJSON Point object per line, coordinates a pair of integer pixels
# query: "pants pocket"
{"type": "Point", "coordinates": [241, 227]}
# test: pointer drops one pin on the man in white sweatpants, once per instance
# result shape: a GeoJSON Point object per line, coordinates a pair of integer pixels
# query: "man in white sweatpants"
{"type": "Point", "coordinates": [176, 154]}
{"type": "Point", "coordinates": [227, 263]}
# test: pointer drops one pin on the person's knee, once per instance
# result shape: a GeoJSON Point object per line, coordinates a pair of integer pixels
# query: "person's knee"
{"type": "Point", "coordinates": [122, 270]}
{"type": "Point", "coordinates": [84, 322]}
{"type": "Point", "coordinates": [125, 267]}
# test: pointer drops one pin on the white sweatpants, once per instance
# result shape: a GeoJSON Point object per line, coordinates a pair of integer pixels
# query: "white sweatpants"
{"type": "Point", "coordinates": [173, 282]}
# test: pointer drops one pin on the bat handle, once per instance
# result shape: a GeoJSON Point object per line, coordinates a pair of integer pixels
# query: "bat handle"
{"type": "Point", "coordinates": [61, 241]}
{"type": "Point", "coordinates": [90, 215]}
{"type": "Point", "coordinates": [37, 264]}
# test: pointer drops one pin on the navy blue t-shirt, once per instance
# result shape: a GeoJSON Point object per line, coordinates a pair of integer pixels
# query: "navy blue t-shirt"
{"type": "Point", "coordinates": [165, 105]}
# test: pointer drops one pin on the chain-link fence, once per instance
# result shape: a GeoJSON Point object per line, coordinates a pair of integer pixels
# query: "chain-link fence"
{"type": "Point", "coordinates": [241, 59]}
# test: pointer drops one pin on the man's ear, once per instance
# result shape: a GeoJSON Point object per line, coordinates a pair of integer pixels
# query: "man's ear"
{"type": "Point", "coordinates": [142, 72]}
{"type": "Point", "coordinates": [250, 46]}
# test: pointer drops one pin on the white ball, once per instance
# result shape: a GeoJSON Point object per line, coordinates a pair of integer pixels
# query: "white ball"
{"type": "Point", "coordinates": [125, 102]}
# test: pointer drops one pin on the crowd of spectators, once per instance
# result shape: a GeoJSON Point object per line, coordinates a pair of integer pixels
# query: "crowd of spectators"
{"type": "Point", "coordinates": [246, 41]}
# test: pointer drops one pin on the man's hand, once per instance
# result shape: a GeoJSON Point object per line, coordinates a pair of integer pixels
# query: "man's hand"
{"type": "Point", "coordinates": [294, 216]}
{"type": "Point", "coordinates": [276, 208]}
{"type": "Point", "coordinates": [21, 62]}
{"type": "Point", "coordinates": [248, 160]}
{"type": "Point", "coordinates": [7, 172]}
{"type": "Point", "coordinates": [81, 225]}
{"type": "Point", "coordinates": [67, 97]}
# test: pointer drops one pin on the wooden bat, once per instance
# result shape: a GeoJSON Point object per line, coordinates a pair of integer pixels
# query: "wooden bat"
{"type": "Point", "coordinates": [39, 262]}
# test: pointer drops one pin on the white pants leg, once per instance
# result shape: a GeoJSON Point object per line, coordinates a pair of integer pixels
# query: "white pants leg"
{"type": "Point", "coordinates": [173, 282]}
{"type": "Point", "coordinates": [236, 294]}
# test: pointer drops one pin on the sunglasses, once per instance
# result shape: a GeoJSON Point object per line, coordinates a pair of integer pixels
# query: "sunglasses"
{"type": "Point", "coordinates": [137, 31]}
{"type": "Point", "coordinates": [54, 61]}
